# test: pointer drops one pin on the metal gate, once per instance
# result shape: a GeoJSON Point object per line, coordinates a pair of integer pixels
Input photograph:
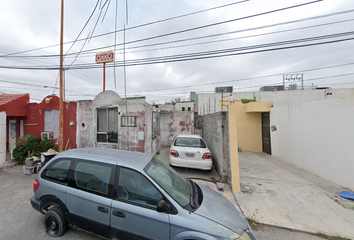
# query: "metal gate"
{"type": "Point", "coordinates": [266, 133]}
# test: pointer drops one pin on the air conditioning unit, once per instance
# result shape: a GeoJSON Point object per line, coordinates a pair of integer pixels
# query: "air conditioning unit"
{"type": "Point", "coordinates": [47, 135]}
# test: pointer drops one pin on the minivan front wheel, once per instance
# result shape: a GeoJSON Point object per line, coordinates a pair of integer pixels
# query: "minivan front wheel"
{"type": "Point", "coordinates": [54, 222]}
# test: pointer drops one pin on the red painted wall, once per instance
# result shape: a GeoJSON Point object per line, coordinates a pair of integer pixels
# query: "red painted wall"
{"type": "Point", "coordinates": [16, 107]}
{"type": "Point", "coordinates": [15, 110]}
{"type": "Point", "coordinates": [34, 123]}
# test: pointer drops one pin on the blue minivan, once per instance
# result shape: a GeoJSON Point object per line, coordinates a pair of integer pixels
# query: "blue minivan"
{"type": "Point", "coordinates": [130, 195]}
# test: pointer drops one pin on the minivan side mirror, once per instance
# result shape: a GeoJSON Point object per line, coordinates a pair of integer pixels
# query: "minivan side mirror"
{"type": "Point", "coordinates": [162, 206]}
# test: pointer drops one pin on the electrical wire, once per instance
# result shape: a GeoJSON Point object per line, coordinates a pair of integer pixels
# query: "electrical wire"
{"type": "Point", "coordinates": [209, 54]}
{"type": "Point", "coordinates": [220, 34]}
{"type": "Point", "coordinates": [159, 90]}
{"type": "Point", "coordinates": [209, 25]}
{"type": "Point", "coordinates": [133, 27]}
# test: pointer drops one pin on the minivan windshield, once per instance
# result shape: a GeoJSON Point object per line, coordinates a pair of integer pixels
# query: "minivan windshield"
{"type": "Point", "coordinates": [173, 183]}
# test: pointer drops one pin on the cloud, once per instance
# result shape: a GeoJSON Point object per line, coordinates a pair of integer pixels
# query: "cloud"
{"type": "Point", "coordinates": [35, 24]}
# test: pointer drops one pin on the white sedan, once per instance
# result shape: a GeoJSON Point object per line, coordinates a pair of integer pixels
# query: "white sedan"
{"type": "Point", "coordinates": [189, 150]}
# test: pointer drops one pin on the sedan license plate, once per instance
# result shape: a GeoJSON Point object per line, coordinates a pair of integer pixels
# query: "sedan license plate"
{"type": "Point", "coordinates": [190, 154]}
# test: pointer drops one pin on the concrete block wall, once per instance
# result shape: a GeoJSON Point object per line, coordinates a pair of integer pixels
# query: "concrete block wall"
{"type": "Point", "coordinates": [215, 133]}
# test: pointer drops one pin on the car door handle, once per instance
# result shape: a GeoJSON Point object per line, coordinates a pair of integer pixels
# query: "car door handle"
{"type": "Point", "coordinates": [102, 209]}
{"type": "Point", "coordinates": [118, 214]}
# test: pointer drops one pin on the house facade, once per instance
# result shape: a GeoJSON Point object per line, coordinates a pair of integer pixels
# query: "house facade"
{"type": "Point", "coordinates": [311, 128]}
{"type": "Point", "coordinates": [106, 121]}
{"type": "Point", "coordinates": [110, 121]}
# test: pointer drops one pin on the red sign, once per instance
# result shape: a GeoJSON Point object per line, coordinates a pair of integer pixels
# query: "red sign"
{"type": "Point", "coordinates": [104, 57]}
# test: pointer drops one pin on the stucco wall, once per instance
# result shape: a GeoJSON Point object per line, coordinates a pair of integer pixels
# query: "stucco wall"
{"type": "Point", "coordinates": [317, 136]}
{"type": "Point", "coordinates": [215, 134]}
{"type": "Point", "coordinates": [2, 138]}
{"type": "Point", "coordinates": [85, 124]}
{"type": "Point", "coordinates": [249, 129]}
{"type": "Point", "coordinates": [174, 123]}
{"type": "Point", "coordinates": [130, 135]}
{"type": "Point", "coordinates": [34, 123]}
{"type": "Point", "coordinates": [209, 102]}
{"type": "Point", "coordinates": [16, 107]}
{"type": "Point", "coordinates": [248, 120]}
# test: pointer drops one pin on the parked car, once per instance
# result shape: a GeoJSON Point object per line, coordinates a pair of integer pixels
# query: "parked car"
{"type": "Point", "coordinates": [129, 195]}
{"type": "Point", "coordinates": [190, 151]}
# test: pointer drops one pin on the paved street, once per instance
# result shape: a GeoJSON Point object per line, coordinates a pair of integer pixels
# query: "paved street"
{"type": "Point", "coordinates": [20, 221]}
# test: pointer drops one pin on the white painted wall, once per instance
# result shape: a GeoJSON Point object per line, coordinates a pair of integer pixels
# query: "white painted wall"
{"type": "Point", "coordinates": [2, 138]}
{"type": "Point", "coordinates": [179, 105]}
{"type": "Point", "coordinates": [317, 135]}
{"type": "Point", "coordinates": [209, 102]}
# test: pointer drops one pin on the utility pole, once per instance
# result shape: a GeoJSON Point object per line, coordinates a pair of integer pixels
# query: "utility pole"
{"type": "Point", "coordinates": [61, 103]}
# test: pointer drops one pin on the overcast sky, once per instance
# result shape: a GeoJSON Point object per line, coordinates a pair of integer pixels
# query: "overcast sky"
{"type": "Point", "coordinates": [188, 34]}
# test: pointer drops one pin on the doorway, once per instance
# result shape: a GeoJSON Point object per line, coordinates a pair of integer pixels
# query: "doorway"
{"type": "Point", "coordinates": [266, 145]}
{"type": "Point", "coordinates": [12, 135]}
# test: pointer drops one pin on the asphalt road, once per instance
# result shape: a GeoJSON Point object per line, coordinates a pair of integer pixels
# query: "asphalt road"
{"type": "Point", "coordinates": [20, 221]}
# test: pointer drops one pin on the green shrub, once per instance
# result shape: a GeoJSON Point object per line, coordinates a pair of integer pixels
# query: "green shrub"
{"type": "Point", "coordinates": [32, 144]}
{"type": "Point", "coordinates": [19, 153]}
{"type": "Point", "coordinates": [24, 144]}
{"type": "Point", "coordinates": [45, 144]}
{"type": "Point", "coordinates": [248, 100]}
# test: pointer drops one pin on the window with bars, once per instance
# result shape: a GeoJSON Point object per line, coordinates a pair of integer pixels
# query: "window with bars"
{"type": "Point", "coordinates": [128, 121]}
{"type": "Point", "coordinates": [107, 125]}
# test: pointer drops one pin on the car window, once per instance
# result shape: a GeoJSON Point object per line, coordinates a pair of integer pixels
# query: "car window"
{"type": "Point", "coordinates": [136, 188]}
{"type": "Point", "coordinates": [58, 171]}
{"type": "Point", "coordinates": [173, 183]}
{"type": "Point", "coordinates": [189, 142]}
{"type": "Point", "coordinates": [93, 177]}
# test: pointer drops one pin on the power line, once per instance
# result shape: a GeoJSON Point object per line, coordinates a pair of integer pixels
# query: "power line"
{"type": "Point", "coordinates": [208, 54]}
{"type": "Point", "coordinates": [235, 80]}
{"type": "Point", "coordinates": [210, 25]}
{"type": "Point", "coordinates": [244, 79]}
{"type": "Point", "coordinates": [133, 27]}
{"type": "Point", "coordinates": [220, 34]}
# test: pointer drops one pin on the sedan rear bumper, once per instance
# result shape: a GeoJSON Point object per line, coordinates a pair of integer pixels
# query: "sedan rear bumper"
{"type": "Point", "coordinates": [197, 164]}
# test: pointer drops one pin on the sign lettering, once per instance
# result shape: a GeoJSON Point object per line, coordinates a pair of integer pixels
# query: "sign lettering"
{"type": "Point", "coordinates": [105, 57]}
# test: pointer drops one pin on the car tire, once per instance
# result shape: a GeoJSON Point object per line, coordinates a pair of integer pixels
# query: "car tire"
{"type": "Point", "coordinates": [55, 222]}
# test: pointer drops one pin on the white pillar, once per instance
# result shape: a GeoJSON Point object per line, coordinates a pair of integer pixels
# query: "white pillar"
{"type": "Point", "coordinates": [2, 138]}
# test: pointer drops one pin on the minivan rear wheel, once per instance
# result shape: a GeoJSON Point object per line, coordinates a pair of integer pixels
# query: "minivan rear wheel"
{"type": "Point", "coordinates": [55, 222]}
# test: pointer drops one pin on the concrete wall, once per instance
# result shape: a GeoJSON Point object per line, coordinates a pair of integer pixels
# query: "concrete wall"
{"type": "Point", "coordinates": [2, 138]}
{"type": "Point", "coordinates": [16, 107]}
{"type": "Point", "coordinates": [138, 138]}
{"type": "Point", "coordinates": [180, 105]}
{"type": "Point", "coordinates": [107, 99]}
{"type": "Point", "coordinates": [174, 123]}
{"type": "Point", "coordinates": [317, 136]}
{"type": "Point", "coordinates": [130, 135]}
{"type": "Point", "coordinates": [85, 125]}
{"type": "Point", "coordinates": [215, 133]}
{"type": "Point", "coordinates": [152, 144]}
{"type": "Point", "coordinates": [248, 121]}
{"type": "Point", "coordinates": [233, 163]}
{"type": "Point", "coordinates": [209, 102]}
{"type": "Point", "coordinates": [249, 128]}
